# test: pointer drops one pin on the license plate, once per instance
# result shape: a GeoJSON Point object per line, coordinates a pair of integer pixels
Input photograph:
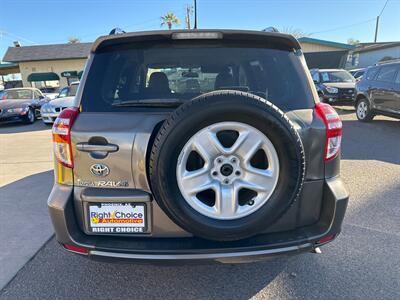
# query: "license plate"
{"type": "Point", "coordinates": [118, 218]}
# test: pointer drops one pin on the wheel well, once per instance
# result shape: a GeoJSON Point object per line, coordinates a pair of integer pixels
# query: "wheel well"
{"type": "Point", "coordinates": [359, 97]}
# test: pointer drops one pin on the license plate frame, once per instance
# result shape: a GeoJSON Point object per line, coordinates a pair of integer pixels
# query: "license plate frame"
{"type": "Point", "coordinates": [123, 222]}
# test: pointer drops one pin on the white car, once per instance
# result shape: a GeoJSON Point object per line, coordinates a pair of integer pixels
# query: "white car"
{"type": "Point", "coordinates": [52, 109]}
{"type": "Point", "coordinates": [51, 96]}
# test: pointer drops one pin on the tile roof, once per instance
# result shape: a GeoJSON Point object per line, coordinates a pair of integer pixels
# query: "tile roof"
{"type": "Point", "coordinates": [365, 47]}
{"type": "Point", "coordinates": [47, 52]}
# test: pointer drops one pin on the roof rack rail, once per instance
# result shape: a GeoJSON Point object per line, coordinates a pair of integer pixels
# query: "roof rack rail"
{"type": "Point", "coordinates": [116, 30]}
{"type": "Point", "coordinates": [395, 60]}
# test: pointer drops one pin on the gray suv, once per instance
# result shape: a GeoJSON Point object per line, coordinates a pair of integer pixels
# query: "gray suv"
{"type": "Point", "coordinates": [378, 92]}
{"type": "Point", "coordinates": [196, 145]}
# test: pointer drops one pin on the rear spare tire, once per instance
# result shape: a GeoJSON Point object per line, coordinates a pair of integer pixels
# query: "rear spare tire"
{"type": "Point", "coordinates": [226, 165]}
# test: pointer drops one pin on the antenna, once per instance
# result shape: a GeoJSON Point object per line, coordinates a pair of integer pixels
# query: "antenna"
{"type": "Point", "coordinates": [195, 14]}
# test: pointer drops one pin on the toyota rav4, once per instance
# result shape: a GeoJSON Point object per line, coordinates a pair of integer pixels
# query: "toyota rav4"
{"type": "Point", "coordinates": [196, 145]}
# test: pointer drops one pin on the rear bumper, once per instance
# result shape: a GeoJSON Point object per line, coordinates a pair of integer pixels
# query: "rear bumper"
{"type": "Point", "coordinates": [335, 99]}
{"type": "Point", "coordinates": [192, 249]}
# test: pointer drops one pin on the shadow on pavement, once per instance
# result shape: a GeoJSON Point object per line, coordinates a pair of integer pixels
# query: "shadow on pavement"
{"type": "Point", "coordinates": [16, 127]}
{"type": "Point", "coordinates": [24, 221]}
{"type": "Point", "coordinates": [345, 110]}
{"type": "Point", "coordinates": [132, 281]}
{"type": "Point", "coordinates": [377, 140]}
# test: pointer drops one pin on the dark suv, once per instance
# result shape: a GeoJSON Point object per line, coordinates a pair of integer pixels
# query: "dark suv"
{"type": "Point", "coordinates": [378, 92]}
{"type": "Point", "coordinates": [334, 86]}
{"type": "Point", "coordinates": [196, 145]}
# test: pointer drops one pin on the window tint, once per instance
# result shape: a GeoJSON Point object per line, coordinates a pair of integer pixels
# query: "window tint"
{"type": "Point", "coordinates": [386, 74]}
{"type": "Point", "coordinates": [358, 74]}
{"type": "Point", "coordinates": [63, 92]}
{"type": "Point", "coordinates": [336, 76]}
{"type": "Point", "coordinates": [19, 94]}
{"type": "Point", "coordinates": [315, 77]}
{"type": "Point", "coordinates": [371, 73]}
{"type": "Point", "coordinates": [120, 79]}
{"type": "Point", "coordinates": [72, 90]}
{"type": "Point", "coordinates": [37, 95]}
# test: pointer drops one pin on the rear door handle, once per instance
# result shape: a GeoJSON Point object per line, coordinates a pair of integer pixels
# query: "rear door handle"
{"type": "Point", "coordinates": [86, 147]}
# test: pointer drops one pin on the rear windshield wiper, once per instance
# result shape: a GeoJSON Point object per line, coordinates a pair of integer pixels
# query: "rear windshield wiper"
{"type": "Point", "coordinates": [157, 102]}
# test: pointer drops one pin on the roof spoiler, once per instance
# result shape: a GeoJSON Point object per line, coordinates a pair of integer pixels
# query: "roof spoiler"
{"type": "Point", "coordinates": [268, 39]}
{"type": "Point", "coordinates": [389, 61]}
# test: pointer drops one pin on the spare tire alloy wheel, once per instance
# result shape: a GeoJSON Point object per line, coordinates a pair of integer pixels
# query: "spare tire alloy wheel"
{"type": "Point", "coordinates": [226, 165]}
{"type": "Point", "coordinates": [227, 171]}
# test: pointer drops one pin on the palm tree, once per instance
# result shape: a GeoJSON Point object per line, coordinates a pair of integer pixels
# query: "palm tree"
{"type": "Point", "coordinates": [169, 19]}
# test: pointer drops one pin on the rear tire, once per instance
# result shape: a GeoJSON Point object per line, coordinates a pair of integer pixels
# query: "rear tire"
{"type": "Point", "coordinates": [363, 111]}
{"type": "Point", "coordinates": [29, 118]}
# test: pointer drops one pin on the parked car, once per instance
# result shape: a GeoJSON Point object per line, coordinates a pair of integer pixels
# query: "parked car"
{"type": "Point", "coordinates": [65, 98]}
{"type": "Point", "coordinates": [378, 92]}
{"type": "Point", "coordinates": [334, 86]}
{"type": "Point", "coordinates": [21, 104]}
{"type": "Point", "coordinates": [235, 171]}
{"type": "Point", "coordinates": [49, 92]}
{"type": "Point", "coordinates": [357, 73]}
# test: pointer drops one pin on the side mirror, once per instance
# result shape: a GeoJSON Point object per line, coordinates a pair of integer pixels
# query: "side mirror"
{"type": "Point", "coordinates": [41, 97]}
{"type": "Point", "coordinates": [315, 81]}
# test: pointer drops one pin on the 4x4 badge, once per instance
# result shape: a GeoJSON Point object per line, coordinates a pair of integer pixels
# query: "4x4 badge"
{"type": "Point", "coordinates": [99, 170]}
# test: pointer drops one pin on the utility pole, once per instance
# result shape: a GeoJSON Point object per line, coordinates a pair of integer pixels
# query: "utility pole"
{"type": "Point", "coordinates": [195, 14]}
{"type": "Point", "coordinates": [376, 29]}
{"type": "Point", "coordinates": [377, 22]}
{"type": "Point", "coordinates": [189, 11]}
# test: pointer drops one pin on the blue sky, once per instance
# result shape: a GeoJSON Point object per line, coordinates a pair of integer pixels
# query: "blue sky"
{"type": "Point", "coordinates": [54, 21]}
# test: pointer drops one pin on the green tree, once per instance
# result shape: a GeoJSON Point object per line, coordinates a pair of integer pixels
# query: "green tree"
{"type": "Point", "coordinates": [74, 40]}
{"type": "Point", "coordinates": [352, 41]}
{"type": "Point", "coordinates": [169, 20]}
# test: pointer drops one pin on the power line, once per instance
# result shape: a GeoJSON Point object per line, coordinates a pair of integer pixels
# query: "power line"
{"type": "Point", "coordinates": [383, 8]}
{"type": "Point", "coordinates": [343, 27]}
{"type": "Point", "coordinates": [14, 36]}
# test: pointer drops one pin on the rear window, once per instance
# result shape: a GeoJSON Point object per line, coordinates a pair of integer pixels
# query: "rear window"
{"type": "Point", "coordinates": [126, 78]}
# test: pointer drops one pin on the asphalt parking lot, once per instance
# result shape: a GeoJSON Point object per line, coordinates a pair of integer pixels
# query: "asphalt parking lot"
{"type": "Point", "coordinates": [363, 263]}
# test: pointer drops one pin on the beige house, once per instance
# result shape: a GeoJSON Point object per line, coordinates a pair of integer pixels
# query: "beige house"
{"type": "Point", "coordinates": [324, 54]}
{"type": "Point", "coordinates": [49, 65]}
{"type": "Point", "coordinates": [316, 45]}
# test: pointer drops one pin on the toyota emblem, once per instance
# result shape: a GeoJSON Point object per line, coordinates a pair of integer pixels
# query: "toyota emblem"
{"type": "Point", "coordinates": [99, 170]}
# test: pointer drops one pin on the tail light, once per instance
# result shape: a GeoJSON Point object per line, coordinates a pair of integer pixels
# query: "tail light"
{"type": "Point", "coordinates": [76, 249]}
{"type": "Point", "coordinates": [333, 129]}
{"type": "Point", "coordinates": [326, 239]}
{"type": "Point", "coordinates": [62, 136]}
